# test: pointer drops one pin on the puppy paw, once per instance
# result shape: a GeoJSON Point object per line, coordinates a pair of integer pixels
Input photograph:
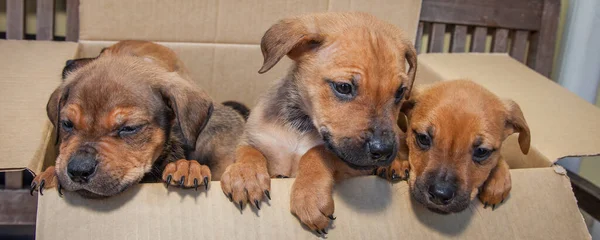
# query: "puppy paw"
{"type": "Point", "coordinates": [496, 188]}
{"type": "Point", "coordinates": [314, 207]}
{"type": "Point", "coordinates": [246, 182]}
{"type": "Point", "coordinates": [397, 171]}
{"type": "Point", "coordinates": [186, 174]}
{"type": "Point", "coordinates": [45, 180]}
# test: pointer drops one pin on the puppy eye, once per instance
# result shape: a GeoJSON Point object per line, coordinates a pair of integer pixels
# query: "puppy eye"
{"type": "Point", "coordinates": [343, 88]}
{"type": "Point", "coordinates": [423, 141]}
{"type": "Point", "coordinates": [128, 130]}
{"type": "Point", "coordinates": [399, 94]}
{"type": "Point", "coordinates": [67, 125]}
{"type": "Point", "coordinates": [481, 154]}
{"type": "Point", "coordinates": [344, 91]}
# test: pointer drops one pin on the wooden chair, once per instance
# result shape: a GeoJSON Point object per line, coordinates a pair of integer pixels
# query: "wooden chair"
{"type": "Point", "coordinates": [15, 20]}
{"type": "Point", "coordinates": [526, 29]}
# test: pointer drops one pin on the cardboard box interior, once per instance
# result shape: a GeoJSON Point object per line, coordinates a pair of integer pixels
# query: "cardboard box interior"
{"type": "Point", "coordinates": [219, 44]}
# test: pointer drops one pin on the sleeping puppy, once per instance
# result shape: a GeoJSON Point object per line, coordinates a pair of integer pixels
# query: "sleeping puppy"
{"type": "Point", "coordinates": [133, 112]}
{"type": "Point", "coordinates": [332, 117]}
{"type": "Point", "coordinates": [454, 136]}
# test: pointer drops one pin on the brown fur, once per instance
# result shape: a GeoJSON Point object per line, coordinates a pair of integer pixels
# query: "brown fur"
{"type": "Point", "coordinates": [461, 116]}
{"type": "Point", "coordinates": [301, 128]}
{"type": "Point", "coordinates": [136, 83]}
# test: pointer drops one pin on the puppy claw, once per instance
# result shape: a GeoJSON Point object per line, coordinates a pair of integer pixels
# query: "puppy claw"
{"type": "Point", "coordinates": [33, 185]}
{"type": "Point", "coordinates": [323, 230]}
{"type": "Point", "coordinates": [205, 183]}
{"type": "Point", "coordinates": [256, 203]}
{"type": "Point", "coordinates": [407, 174]}
{"type": "Point", "coordinates": [241, 205]}
{"type": "Point", "coordinates": [485, 205]}
{"type": "Point", "coordinates": [267, 193]}
{"type": "Point", "coordinates": [169, 178]}
{"type": "Point", "coordinates": [493, 207]}
{"type": "Point", "coordinates": [60, 190]}
{"type": "Point", "coordinates": [42, 183]}
{"type": "Point", "coordinates": [181, 181]}
{"type": "Point", "coordinates": [331, 217]}
{"type": "Point", "coordinates": [230, 196]}
{"type": "Point", "coordinates": [318, 231]}
{"type": "Point", "coordinates": [382, 173]}
{"type": "Point", "coordinates": [502, 201]}
{"type": "Point", "coordinates": [195, 184]}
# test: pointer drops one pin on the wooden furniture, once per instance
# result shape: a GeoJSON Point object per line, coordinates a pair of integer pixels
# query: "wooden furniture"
{"type": "Point", "coordinates": [15, 20]}
{"type": "Point", "coordinates": [526, 29]}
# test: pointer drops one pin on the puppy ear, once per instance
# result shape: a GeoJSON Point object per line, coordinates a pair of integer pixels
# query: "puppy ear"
{"type": "Point", "coordinates": [57, 100]}
{"type": "Point", "coordinates": [287, 37]}
{"type": "Point", "coordinates": [191, 107]}
{"type": "Point", "coordinates": [411, 57]}
{"type": "Point", "coordinates": [404, 115]}
{"type": "Point", "coordinates": [74, 64]}
{"type": "Point", "coordinates": [515, 122]}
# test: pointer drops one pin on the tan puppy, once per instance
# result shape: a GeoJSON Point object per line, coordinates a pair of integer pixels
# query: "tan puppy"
{"type": "Point", "coordinates": [332, 117]}
{"type": "Point", "coordinates": [454, 136]}
{"type": "Point", "coordinates": [133, 112]}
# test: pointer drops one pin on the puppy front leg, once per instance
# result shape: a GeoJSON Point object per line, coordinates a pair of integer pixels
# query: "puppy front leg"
{"type": "Point", "coordinates": [497, 187]}
{"type": "Point", "coordinates": [247, 180]}
{"type": "Point", "coordinates": [397, 171]}
{"type": "Point", "coordinates": [186, 174]}
{"type": "Point", "coordinates": [311, 198]}
{"type": "Point", "coordinates": [45, 180]}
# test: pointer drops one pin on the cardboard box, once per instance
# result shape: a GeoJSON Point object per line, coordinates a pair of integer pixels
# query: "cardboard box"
{"type": "Point", "coordinates": [218, 41]}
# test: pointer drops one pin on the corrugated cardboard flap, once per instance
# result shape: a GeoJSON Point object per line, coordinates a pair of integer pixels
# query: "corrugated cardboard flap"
{"type": "Point", "coordinates": [366, 208]}
{"type": "Point", "coordinates": [561, 123]}
{"type": "Point", "coordinates": [32, 70]}
{"type": "Point", "coordinates": [220, 21]}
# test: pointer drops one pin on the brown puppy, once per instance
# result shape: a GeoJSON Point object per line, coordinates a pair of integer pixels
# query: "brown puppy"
{"type": "Point", "coordinates": [133, 112]}
{"type": "Point", "coordinates": [454, 136]}
{"type": "Point", "coordinates": [332, 117]}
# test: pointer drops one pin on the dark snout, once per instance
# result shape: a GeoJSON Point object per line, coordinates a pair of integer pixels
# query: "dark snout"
{"type": "Point", "coordinates": [82, 165]}
{"type": "Point", "coordinates": [381, 146]}
{"type": "Point", "coordinates": [442, 192]}
{"type": "Point", "coordinates": [366, 150]}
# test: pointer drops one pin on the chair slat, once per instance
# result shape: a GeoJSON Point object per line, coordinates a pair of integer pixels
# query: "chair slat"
{"type": "Point", "coordinates": [542, 42]}
{"type": "Point", "coordinates": [436, 39]}
{"type": "Point", "coordinates": [45, 20]}
{"type": "Point", "coordinates": [512, 14]}
{"type": "Point", "coordinates": [15, 19]}
{"type": "Point", "coordinates": [478, 39]}
{"type": "Point", "coordinates": [72, 20]}
{"type": "Point", "coordinates": [419, 37]}
{"type": "Point", "coordinates": [459, 38]}
{"type": "Point", "coordinates": [500, 41]}
{"type": "Point", "coordinates": [519, 45]}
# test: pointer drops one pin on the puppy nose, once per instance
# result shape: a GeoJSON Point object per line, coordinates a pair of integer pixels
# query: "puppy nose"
{"type": "Point", "coordinates": [380, 149]}
{"type": "Point", "coordinates": [81, 167]}
{"type": "Point", "coordinates": [441, 193]}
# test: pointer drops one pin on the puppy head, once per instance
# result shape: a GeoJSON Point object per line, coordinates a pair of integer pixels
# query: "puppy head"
{"type": "Point", "coordinates": [350, 69]}
{"type": "Point", "coordinates": [113, 117]}
{"type": "Point", "coordinates": [454, 136]}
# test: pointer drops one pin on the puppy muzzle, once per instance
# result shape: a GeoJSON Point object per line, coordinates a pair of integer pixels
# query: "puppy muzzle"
{"type": "Point", "coordinates": [440, 195]}
{"type": "Point", "coordinates": [362, 154]}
